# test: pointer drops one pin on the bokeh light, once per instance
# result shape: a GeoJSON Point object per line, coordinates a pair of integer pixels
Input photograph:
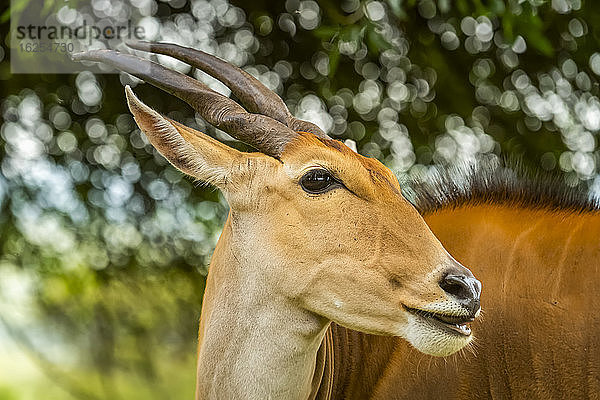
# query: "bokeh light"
{"type": "Point", "coordinates": [106, 246]}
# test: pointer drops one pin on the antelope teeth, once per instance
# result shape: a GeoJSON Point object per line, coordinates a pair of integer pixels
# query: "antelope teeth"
{"type": "Point", "coordinates": [463, 328]}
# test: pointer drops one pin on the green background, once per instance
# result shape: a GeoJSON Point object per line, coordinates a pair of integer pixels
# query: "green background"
{"type": "Point", "coordinates": [105, 247]}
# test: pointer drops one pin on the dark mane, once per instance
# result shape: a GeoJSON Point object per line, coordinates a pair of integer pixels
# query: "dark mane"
{"type": "Point", "coordinates": [490, 181]}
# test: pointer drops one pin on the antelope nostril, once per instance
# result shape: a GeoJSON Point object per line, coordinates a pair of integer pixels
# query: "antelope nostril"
{"type": "Point", "coordinates": [457, 286]}
{"type": "Point", "coordinates": [465, 289]}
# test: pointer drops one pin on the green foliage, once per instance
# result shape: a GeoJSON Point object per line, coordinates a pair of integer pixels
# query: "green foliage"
{"type": "Point", "coordinates": [105, 247]}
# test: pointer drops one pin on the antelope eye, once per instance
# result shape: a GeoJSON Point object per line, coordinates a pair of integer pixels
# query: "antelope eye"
{"type": "Point", "coordinates": [318, 181]}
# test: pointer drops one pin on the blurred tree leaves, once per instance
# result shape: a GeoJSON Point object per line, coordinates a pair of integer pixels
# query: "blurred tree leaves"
{"type": "Point", "coordinates": [105, 247]}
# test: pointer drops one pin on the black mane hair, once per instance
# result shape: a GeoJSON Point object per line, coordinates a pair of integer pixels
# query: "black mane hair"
{"type": "Point", "coordinates": [493, 181]}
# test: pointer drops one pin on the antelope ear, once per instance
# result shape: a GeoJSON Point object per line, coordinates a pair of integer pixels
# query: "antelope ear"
{"type": "Point", "coordinates": [189, 150]}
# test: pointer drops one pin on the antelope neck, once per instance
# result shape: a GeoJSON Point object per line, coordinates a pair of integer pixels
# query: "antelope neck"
{"type": "Point", "coordinates": [253, 344]}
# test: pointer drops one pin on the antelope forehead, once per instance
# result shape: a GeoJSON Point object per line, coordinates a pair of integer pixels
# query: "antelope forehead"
{"type": "Point", "coordinates": [308, 151]}
{"type": "Point", "coordinates": [339, 165]}
{"type": "Point", "coordinates": [379, 173]}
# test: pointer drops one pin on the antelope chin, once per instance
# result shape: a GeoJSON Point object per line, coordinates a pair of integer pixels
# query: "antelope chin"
{"type": "Point", "coordinates": [436, 334]}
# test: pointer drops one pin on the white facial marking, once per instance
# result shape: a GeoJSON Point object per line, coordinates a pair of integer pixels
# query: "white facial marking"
{"type": "Point", "coordinates": [431, 339]}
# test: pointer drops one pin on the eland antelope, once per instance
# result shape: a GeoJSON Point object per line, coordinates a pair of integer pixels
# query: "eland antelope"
{"type": "Point", "coordinates": [316, 234]}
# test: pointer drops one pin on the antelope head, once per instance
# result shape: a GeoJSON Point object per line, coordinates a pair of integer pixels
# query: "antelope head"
{"type": "Point", "coordinates": [324, 227]}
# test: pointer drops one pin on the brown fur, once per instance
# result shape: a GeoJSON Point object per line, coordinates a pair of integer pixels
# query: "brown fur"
{"type": "Point", "coordinates": [540, 335]}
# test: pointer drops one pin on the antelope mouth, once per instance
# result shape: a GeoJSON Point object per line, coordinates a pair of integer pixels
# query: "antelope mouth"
{"type": "Point", "coordinates": [450, 323]}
